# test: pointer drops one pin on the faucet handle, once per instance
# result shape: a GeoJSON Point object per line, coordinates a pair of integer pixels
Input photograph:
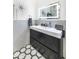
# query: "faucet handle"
{"type": "Point", "coordinates": [49, 24]}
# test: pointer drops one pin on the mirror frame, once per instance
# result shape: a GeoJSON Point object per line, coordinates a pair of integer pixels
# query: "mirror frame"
{"type": "Point", "coordinates": [53, 17]}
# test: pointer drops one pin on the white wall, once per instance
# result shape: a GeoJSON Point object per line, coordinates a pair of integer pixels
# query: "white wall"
{"type": "Point", "coordinates": [31, 8]}
{"type": "Point", "coordinates": [28, 9]}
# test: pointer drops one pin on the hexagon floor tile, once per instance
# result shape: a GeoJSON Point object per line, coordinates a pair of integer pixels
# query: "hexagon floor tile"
{"type": "Point", "coordinates": [27, 52]}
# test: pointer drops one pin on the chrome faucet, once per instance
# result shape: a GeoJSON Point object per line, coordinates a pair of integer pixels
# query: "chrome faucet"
{"type": "Point", "coordinates": [46, 24]}
{"type": "Point", "coordinates": [49, 24]}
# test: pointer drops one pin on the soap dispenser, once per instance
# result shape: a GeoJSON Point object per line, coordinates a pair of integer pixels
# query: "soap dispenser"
{"type": "Point", "coordinates": [29, 21]}
{"type": "Point", "coordinates": [49, 24]}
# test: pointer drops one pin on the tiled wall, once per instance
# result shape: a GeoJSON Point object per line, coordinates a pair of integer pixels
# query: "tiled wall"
{"type": "Point", "coordinates": [20, 34]}
{"type": "Point", "coordinates": [53, 22]}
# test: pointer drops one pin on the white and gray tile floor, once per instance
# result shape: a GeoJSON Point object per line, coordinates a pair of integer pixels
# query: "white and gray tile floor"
{"type": "Point", "coordinates": [27, 52]}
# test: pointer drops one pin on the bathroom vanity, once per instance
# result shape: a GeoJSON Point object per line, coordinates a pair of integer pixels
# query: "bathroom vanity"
{"type": "Point", "coordinates": [48, 41]}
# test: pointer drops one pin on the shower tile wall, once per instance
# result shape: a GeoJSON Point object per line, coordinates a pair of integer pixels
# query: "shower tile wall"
{"type": "Point", "coordinates": [53, 22]}
{"type": "Point", "coordinates": [21, 34]}
{"type": "Point", "coordinates": [39, 22]}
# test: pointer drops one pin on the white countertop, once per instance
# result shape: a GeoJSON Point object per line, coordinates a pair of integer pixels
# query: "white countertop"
{"type": "Point", "coordinates": [48, 30]}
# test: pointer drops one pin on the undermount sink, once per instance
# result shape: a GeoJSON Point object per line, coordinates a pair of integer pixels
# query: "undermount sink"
{"type": "Point", "coordinates": [48, 30]}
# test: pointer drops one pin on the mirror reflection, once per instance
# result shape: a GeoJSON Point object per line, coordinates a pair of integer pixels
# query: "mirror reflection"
{"type": "Point", "coordinates": [52, 11]}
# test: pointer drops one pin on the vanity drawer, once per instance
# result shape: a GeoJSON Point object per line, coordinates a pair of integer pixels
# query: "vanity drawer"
{"type": "Point", "coordinates": [35, 34]}
{"type": "Point", "coordinates": [51, 42]}
{"type": "Point", "coordinates": [47, 53]}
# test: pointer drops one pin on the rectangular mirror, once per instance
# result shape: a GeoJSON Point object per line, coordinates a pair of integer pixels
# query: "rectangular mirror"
{"type": "Point", "coordinates": [51, 11]}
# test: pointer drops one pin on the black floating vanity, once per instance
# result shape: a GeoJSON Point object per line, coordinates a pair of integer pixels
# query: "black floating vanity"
{"type": "Point", "coordinates": [51, 47]}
